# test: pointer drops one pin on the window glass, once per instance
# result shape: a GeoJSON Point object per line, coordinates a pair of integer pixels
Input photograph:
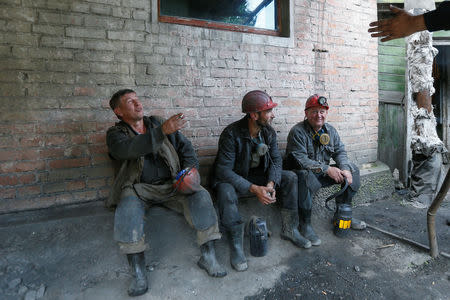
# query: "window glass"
{"type": "Point", "coordinates": [253, 13]}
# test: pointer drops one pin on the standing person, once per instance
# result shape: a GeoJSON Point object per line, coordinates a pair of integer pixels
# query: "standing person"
{"type": "Point", "coordinates": [405, 24]}
{"type": "Point", "coordinates": [151, 152]}
{"type": "Point", "coordinates": [310, 146]}
{"type": "Point", "coordinates": [248, 163]}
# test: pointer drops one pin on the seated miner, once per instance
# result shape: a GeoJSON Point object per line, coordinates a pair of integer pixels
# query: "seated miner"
{"type": "Point", "coordinates": [248, 163]}
{"type": "Point", "coordinates": [151, 153]}
{"type": "Point", "coordinates": [311, 144]}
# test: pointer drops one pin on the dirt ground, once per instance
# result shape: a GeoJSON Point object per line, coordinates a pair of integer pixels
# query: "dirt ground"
{"type": "Point", "coordinates": [69, 253]}
{"type": "Point", "coordinates": [371, 265]}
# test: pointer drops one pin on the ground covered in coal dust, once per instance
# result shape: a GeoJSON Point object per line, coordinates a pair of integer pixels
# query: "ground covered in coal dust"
{"type": "Point", "coordinates": [369, 264]}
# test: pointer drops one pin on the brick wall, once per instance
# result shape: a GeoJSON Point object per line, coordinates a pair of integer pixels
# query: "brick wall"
{"type": "Point", "coordinates": [61, 61]}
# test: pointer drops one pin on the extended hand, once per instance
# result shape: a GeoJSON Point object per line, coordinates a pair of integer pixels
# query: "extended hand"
{"type": "Point", "coordinates": [263, 193]}
{"type": "Point", "coordinates": [335, 174]}
{"type": "Point", "coordinates": [403, 24]}
{"type": "Point", "coordinates": [174, 123]}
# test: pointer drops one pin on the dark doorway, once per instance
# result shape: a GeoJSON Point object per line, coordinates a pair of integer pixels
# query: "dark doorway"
{"type": "Point", "coordinates": [441, 84]}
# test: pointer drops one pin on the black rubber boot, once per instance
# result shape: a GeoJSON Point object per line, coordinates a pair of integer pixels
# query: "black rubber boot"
{"type": "Point", "coordinates": [236, 239]}
{"type": "Point", "coordinates": [306, 228]}
{"type": "Point", "coordinates": [208, 261]}
{"type": "Point", "coordinates": [139, 286]}
{"type": "Point", "coordinates": [289, 231]}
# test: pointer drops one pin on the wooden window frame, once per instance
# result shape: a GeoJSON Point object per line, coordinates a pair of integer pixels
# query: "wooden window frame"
{"type": "Point", "coordinates": [282, 22]}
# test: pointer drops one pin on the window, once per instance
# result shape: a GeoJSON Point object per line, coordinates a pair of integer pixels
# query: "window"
{"type": "Point", "coordinates": [255, 16]}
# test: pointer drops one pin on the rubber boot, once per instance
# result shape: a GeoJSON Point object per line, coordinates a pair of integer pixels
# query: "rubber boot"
{"type": "Point", "coordinates": [139, 286]}
{"type": "Point", "coordinates": [306, 228]}
{"type": "Point", "coordinates": [236, 239]}
{"type": "Point", "coordinates": [289, 231]}
{"type": "Point", "coordinates": [208, 261]}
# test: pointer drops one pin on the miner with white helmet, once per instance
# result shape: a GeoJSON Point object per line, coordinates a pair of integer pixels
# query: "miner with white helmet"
{"type": "Point", "coordinates": [248, 162]}
{"type": "Point", "coordinates": [156, 164]}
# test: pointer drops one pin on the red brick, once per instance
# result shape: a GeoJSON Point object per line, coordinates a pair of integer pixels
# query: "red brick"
{"type": "Point", "coordinates": [21, 166]}
{"type": "Point", "coordinates": [27, 178]}
{"type": "Point", "coordinates": [30, 141]}
{"type": "Point", "coordinates": [6, 180]}
{"type": "Point", "coordinates": [205, 141]}
{"type": "Point", "coordinates": [76, 151]}
{"type": "Point", "coordinates": [206, 151]}
{"type": "Point", "coordinates": [8, 193]}
{"type": "Point", "coordinates": [6, 128]}
{"type": "Point", "coordinates": [58, 127]}
{"type": "Point", "coordinates": [30, 154]}
{"type": "Point", "coordinates": [78, 139]}
{"type": "Point", "coordinates": [9, 155]}
{"type": "Point", "coordinates": [100, 159]}
{"type": "Point", "coordinates": [187, 102]}
{"type": "Point", "coordinates": [29, 191]}
{"type": "Point", "coordinates": [69, 163]}
{"type": "Point", "coordinates": [97, 138]}
{"type": "Point", "coordinates": [23, 128]}
{"type": "Point", "coordinates": [7, 142]}
{"type": "Point", "coordinates": [96, 183]}
{"type": "Point", "coordinates": [88, 126]}
{"type": "Point", "coordinates": [52, 153]}
{"type": "Point", "coordinates": [98, 149]}
{"type": "Point", "coordinates": [75, 185]}
{"type": "Point", "coordinates": [50, 188]}
{"type": "Point", "coordinates": [55, 140]}
{"type": "Point", "coordinates": [103, 127]}
{"type": "Point", "coordinates": [84, 91]}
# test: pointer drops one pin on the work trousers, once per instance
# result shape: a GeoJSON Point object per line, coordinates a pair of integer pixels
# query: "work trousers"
{"type": "Point", "coordinates": [228, 198]}
{"type": "Point", "coordinates": [309, 183]}
{"type": "Point", "coordinates": [129, 217]}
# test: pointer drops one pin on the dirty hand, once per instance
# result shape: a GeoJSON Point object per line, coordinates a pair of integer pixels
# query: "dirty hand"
{"type": "Point", "coordinates": [262, 193]}
{"type": "Point", "coordinates": [347, 174]}
{"type": "Point", "coordinates": [273, 192]}
{"type": "Point", "coordinates": [335, 174]}
{"type": "Point", "coordinates": [174, 123]}
{"type": "Point", "coordinates": [403, 24]}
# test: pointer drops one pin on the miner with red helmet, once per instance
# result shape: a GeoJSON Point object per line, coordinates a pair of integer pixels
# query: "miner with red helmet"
{"type": "Point", "coordinates": [311, 144]}
{"type": "Point", "coordinates": [156, 164]}
{"type": "Point", "coordinates": [248, 162]}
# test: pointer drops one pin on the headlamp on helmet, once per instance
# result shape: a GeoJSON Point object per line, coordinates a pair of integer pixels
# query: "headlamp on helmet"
{"type": "Point", "coordinates": [316, 101]}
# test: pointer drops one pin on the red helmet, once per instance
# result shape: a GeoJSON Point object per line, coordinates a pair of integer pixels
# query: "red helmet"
{"type": "Point", "coordinates": [188, 181]}
{"type": "Point", "coordinates": [255, 101]}
{"type": "Point", "coordinates": [316, 101]}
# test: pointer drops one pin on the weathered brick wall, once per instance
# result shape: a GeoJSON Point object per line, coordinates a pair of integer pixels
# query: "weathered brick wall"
{"type": "Point", "coordinates": [61, 60]}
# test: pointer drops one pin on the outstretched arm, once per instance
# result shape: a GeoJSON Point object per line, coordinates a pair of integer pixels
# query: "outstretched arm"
{"type": "Point", "coordinates": [401, 25]}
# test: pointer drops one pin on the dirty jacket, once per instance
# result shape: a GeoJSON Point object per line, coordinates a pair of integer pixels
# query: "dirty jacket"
{"type": "Point", "coordinates": [233, 159]}
{"type": "Point", "coordinates": [128, 151]}
{"type": "Point", "coordinates": [302, 152]}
